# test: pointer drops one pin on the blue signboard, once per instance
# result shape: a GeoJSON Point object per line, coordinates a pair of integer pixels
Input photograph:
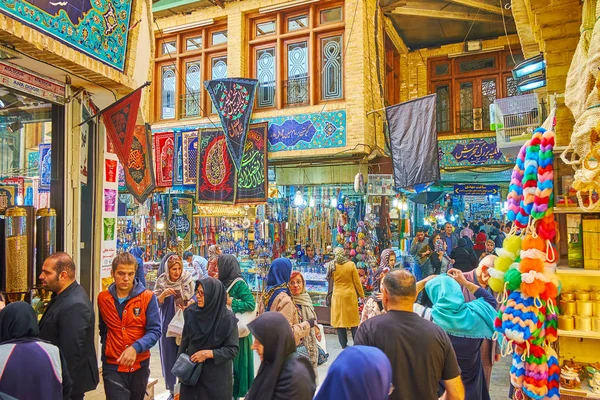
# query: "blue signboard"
{"type": "Point", "coordinates": [476, 190]}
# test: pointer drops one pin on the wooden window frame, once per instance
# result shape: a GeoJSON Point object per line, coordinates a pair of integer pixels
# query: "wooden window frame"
{"type": "Point", "coordinates": [455, 78]}
{"type": "Point", "coordinates": [180, 59]}
{"type": "Point", "coordinates": [392, 67]}
{"type": "Point", "coordinates": [282, 37]}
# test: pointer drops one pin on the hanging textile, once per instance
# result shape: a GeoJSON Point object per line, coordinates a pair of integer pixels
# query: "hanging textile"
{"type": "Point", "coordinates": [178, 163]}
{"type": "Point", "coordinates": [179, 211]}
{"type": "Point", "coordinates": [413, 139]}
{"type": "Point", "coordinates": [164, 153]}
{"type": "Point", "coordinates": [216, 174]}
{"type": "Point", "coordinates": [233, 98]}
{"type": "Point", "coordinates": [190, 156]}
{"type": "Point", "coordinates": [252, 176]}
{"type": "Point", "coordinates": [139, 174]}
{"type": "Point", "coordinates": [120, 120]}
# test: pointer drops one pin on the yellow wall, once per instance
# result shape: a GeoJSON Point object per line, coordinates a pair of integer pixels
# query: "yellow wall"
{"type": "Point", "coordinates": [361, 90]}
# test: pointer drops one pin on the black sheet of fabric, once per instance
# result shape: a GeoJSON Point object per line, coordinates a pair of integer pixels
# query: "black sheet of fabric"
{"type": "Point", "coordinates": [413, 139]}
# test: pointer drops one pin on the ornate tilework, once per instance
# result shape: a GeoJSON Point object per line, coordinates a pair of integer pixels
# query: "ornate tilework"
{"type": "Point", "coordinates": [98, 28]}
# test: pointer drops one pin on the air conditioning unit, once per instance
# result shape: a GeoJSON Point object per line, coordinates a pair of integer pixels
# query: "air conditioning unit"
{"type": "Point", "coordinates": [515, 119]}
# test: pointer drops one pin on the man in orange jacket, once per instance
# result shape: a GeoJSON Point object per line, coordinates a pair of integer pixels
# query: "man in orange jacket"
{"type": "Point", "coordinates": [129, 327]}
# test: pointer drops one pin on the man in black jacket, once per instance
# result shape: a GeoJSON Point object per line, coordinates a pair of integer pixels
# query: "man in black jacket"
{"type": "Point", "coordinates": [68, 322]}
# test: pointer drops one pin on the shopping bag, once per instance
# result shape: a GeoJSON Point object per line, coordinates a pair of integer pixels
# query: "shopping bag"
{"type": "Point", "coordinates": [175, 328]}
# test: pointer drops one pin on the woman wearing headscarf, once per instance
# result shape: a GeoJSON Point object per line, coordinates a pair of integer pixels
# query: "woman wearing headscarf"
{"type": "Point", "coordinates": [31, 368]}
{"type": "Point", "coordinates": [373, 383]}
{"type": "Point", "coordinates": [173, 289]}
{"type": "Point", "coordinates": [373, 305]}
{"type": "Point", "coordinates": [464, 257]}
{"type": "Point", "coordinates": [277, 297]}
{"type": "Point", "coordinates": [467, 324]}
{"type": "Point", "coordinates": [210, 336]}
{"type": "Point", "coordinates": [214, 252]}
{"type": "Point", "coordinates": [241, 300]}
{"type": "Point", "coordinates": [283, 373]}
{"type": "Point", "coordinates": [346, 291]}
{"type": "Point", "coordinates": [306, 312]}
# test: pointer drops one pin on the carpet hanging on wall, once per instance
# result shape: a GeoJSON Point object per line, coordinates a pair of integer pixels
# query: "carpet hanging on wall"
{"type": "Point", "coordinates": [252, 176]}
{"type": "Point", "coordinates": [216, 174]}
{"type": "Point", "coordinates": [164, 155]}
{"type": "Point", "coordinates": [139, 173]}
{"type": "Point", "coordinates": [179, 211]}
{"type": "Point", "coordinates": [190, 157]}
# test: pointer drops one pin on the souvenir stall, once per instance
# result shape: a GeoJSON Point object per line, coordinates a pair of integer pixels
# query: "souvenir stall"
{"type": "Point", "coordinates": [578, 208]}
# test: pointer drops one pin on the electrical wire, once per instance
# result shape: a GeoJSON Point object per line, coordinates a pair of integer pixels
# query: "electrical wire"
{"type": "Point", "coordinates": [506, 33]}
{"type": "Point", "coordinates": [187, 88]}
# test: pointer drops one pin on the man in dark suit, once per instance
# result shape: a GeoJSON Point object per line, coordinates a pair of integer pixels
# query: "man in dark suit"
{"type": "Point", "coordinates": [68, 322]}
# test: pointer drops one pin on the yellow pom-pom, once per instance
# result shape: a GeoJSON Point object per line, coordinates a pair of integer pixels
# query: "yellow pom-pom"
{"type": "Point", "coordinates": [512, 243]}
{"type": "Point", "coordinates": [496, 284]}
{"type": "Point", "coordinates": [502, 263]}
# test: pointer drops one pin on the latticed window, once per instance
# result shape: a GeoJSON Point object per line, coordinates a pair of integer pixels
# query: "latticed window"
{"type": "Point", "coordinates": [183, 61]}
{"type": "Point", "coordinates": [467, 86]}
{"type": "Point", "coordinates": [281, 47]}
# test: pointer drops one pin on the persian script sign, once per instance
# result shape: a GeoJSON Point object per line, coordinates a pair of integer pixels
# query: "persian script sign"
{"type": "Point", "coordinates": [476, 152]}
{"type": "Point", "coordinates": [476, 190]}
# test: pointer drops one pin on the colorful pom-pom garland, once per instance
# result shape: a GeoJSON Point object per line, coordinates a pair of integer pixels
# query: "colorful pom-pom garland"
{"type": "Point", "coordinates": [524, 272]}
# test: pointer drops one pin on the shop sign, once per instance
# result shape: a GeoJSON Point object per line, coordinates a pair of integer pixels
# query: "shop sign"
{"type": "Point", "coordinates": [32, 84]}
{"type": "Point", "coordinates": [474, 199]}
{"type": "Point", "coordinates": [476, 190]}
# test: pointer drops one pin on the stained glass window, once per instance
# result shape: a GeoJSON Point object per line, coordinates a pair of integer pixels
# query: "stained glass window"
{"type": "Point", "coordinates": [169, 48]}
{"type": "Point", "coordinates": [168, 92]}
{"type": "Point", "coordinates": [219, 71]}
{"type": "Point", "coordinates": [265, 73]}
{"type": "Point", "coordinates": [466, 106]}
{"type": "Point", "coordinates": [443, 108]}
{"type": "Point", "coordinates": [297, 84]}
{"type": "Point", "coordinates": [194, 43]}
{"type": "Point", "coordinates": [488, 95]}
{"type": "Point", "coordinates": [331, 68]}
{"type": "Point", "coordinates": [265, 28]}
{"type": "Point", "coordinates": [297, 23]}
{"type": "Point", "coordinates": [219, 38]}
{"type": "Point", "coordinates": [511, 87]}
{"type": "Point", "coordinates": [192, 85]}
{"type": "Point", "coordinates": [331, 15]}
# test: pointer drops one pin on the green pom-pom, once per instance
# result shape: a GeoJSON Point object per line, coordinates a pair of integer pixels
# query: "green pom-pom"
{"type": "Point", "coordinates": [513, 277]}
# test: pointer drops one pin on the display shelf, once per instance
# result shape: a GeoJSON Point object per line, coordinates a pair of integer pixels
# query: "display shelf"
{"type": "Point", "coordinates": [572, 210]}
{"type": "Point", "coordinates": [584, 392]}
{"type": "Point", "coordinates": [577, 271]}
{"type": "Point", "coordinates": [579, 334]}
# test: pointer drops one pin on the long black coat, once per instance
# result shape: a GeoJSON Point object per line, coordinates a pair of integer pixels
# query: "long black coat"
{"type": "Point", "coordinates": [68, 323]}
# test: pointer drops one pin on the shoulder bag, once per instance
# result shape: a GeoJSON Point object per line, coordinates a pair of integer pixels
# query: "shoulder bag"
{"type": "Point", "coordinates": [187, 371]}
{"type": "Point", "coordinates": [243, 318]}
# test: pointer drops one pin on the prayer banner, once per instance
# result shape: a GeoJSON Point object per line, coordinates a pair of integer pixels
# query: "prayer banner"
{"type": "Point", "coordinates": [413, 141]}
{"type": "Point", "coordinates": [164, 154]}
{"type": "Point", "coordinates": [8, 196]}
{"type": "Point", "coordinates": [120, 120]}
{"type": "Point", "coordinates": [179, 216]}
{"type": "Point", "coordinates": [190, 157]}
{"type": "Point", "coordinates": [234, 100]}
{"type": "Point", "coordinates": [216, 180]}
{"type": "Point", "coordinates": [139, 174]}
{"type": "Point", "coordinates": [252, 176]}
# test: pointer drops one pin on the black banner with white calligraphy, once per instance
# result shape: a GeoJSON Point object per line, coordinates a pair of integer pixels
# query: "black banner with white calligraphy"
{"type": "Point", "coordinates": [234, 101]}
{"type": "Point", "coordinates": [413, 139]}
{"type": "Point", "coordinates": [252, 176]}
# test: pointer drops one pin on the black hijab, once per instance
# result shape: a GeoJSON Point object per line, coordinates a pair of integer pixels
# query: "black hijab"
{"type": "Point", "coordinates": [273, 330]}
{"type": "Point", "coordinates": [209, 326]}
{"type": "Point", "coordinates": [18, 322]}
{"type": "Point", "coordinates": [229, 269]}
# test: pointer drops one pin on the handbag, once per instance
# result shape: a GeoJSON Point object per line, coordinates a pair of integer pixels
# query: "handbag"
{"type": "Point", "coordinates": [243, 318]}
{"type": "Point", "coordinates": [323, 356]}
{"type": "Point", "coordinates": [187, 371]}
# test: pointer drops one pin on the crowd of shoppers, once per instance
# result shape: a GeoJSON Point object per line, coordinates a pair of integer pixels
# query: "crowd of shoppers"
{"type": "Point", "coordinates": [410, 344]}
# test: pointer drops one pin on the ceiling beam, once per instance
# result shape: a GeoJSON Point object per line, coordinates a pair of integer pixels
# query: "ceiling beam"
{"type": "Point", "coordinates": [457, 16]}
{"type": "Point", "coordinates": [481, 5]}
